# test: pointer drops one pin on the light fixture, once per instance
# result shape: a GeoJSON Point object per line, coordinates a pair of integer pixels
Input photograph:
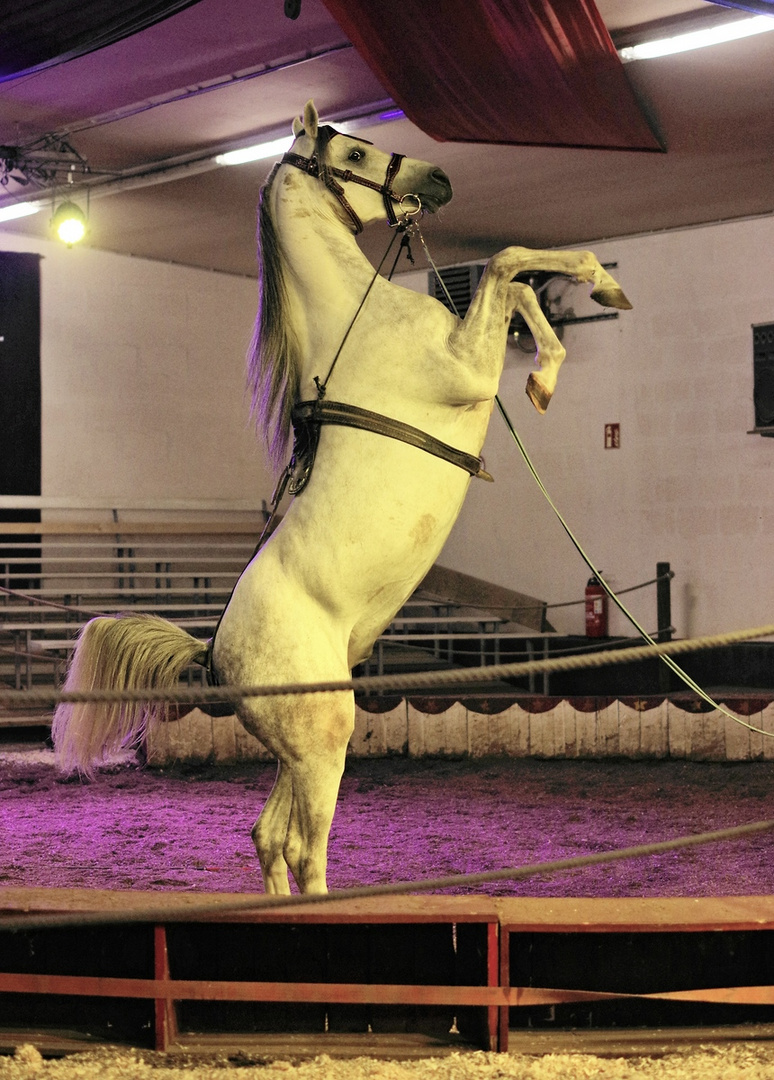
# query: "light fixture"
{"type": "Point", "coordinates": [255, 153]}
{"type": "Point", "coordinates": [69, 223]}
{"type": "Point", "coordinates": [698, 39]}
{"type": "Point", "coordinates": [19, 210]}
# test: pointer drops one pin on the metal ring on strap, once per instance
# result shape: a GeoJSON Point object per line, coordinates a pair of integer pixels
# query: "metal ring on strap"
{"type": "Point", "coordinates": [414, 211]}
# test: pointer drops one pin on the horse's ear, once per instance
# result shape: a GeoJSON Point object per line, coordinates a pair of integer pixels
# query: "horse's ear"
{"type": "Point", "coordinates": [310, 119]}
{"type": "Point", "coordinates": [298, 126]}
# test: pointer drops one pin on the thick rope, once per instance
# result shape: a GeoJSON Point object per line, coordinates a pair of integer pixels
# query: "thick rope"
{"type": "Point", "coordinates": [426, 680]}
{"type": "Point", "coordinates": [191, 912]}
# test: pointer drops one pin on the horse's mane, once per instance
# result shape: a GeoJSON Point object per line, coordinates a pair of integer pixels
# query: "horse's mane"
{"type": "Point", "coordinates": [273, 364]}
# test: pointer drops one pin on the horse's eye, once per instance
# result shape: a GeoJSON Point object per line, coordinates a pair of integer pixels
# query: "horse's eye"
{"type": "Point", "coordinates": [356, 155]}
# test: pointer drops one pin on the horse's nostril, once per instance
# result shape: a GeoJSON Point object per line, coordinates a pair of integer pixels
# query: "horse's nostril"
{"type": "Point", "coordinates": [440, 176]}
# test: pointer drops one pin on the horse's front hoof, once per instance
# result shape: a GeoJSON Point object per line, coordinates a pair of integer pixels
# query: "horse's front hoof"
{"type": "Point", "coordinates": [609, 293]}
{"type": "Point", "coordinates": [537, 393]}
{"type": "Point", "coordinates": [612, 297]}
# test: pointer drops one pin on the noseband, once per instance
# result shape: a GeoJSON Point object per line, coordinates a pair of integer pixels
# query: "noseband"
{"type": "Point", "coordinates": [327, 173]}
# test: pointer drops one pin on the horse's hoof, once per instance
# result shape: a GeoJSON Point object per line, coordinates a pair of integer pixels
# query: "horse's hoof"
{"type": "Point", "coordinates": [609, 293]}
{"type": "Point", "coordinates": [611, 296]}
{"type": "Point", "coordinates": [537, 393]}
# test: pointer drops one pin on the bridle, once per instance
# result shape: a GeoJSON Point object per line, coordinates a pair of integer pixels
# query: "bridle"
{"type": "Point", "coordinates": [313, 166]}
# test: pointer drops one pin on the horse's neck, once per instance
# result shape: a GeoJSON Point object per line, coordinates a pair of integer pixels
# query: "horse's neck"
{"type": "Point", "coordinates": [326, 274]}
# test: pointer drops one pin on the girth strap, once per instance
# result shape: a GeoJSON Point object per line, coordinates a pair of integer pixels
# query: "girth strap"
{"type": "Point", "coordinates": [314, 413]}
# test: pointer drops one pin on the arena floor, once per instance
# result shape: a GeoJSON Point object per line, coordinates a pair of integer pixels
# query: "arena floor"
{"type": "Point", "coordinates": [397, 819]}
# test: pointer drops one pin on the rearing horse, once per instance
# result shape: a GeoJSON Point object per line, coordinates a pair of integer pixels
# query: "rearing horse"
{"type": "Point", "coordinates": [384, 494]}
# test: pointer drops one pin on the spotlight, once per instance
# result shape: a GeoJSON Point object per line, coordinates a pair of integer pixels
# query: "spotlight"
{"type": "Point", "coordinates": [69, 223]}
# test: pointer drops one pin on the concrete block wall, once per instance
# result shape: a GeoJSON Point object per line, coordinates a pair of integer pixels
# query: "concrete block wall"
{"type": "Point", "coordinates": [688, 485]}
{"type": "Point", "coordinates": [143, 377]}
{"type": "Point", "coordinates": [143, 373]}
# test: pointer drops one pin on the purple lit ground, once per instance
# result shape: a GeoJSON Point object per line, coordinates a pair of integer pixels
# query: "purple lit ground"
{"type": "Point", "coordinates": [397, 819]}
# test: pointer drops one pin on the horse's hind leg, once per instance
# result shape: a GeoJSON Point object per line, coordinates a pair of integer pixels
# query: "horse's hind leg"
{"type": "Point", "coordinates": [315, 790]}
{"type": "Point", "coordinates": [269, 833]}
{"type": "Point", "coordinates": [316, 779]}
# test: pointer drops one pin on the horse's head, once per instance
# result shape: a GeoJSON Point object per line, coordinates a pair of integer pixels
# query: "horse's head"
{"type": "Point", "coordinates": [367, 183]}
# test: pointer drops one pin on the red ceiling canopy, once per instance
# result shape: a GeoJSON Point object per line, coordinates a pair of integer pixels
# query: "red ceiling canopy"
{"type": "Point", "coordinates": [529, 72]}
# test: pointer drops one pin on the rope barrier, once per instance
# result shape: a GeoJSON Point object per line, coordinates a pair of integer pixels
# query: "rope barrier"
{"type": "Point", "coordinates": [40, 602]}
{"type": "Point", "coordinates": [426, 680]}
{"type": "Point", "coordinates": [619, 592]}
{"type": "Point", "coordinates": [191, 912]}
{"type": "Point", "coordinates": [33, 599]}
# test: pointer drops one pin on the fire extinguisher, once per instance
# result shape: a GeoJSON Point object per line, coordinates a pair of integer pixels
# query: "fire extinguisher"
{"type": "Point", "coordinates": [596, 609]}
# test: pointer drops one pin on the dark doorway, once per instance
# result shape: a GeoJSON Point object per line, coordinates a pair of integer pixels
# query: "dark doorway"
{"type": "Point", "coordinates": [20, 411]}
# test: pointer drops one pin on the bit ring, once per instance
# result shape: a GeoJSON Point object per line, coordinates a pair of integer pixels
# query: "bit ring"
{"type": "Point", "coordinates": [412, 211]}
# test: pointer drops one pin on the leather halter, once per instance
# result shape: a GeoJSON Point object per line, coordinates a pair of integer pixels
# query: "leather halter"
{"type": "Point", "coordinates": [314, 166]}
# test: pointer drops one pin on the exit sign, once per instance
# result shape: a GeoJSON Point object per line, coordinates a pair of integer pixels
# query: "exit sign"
{"type": "Point", "coordinates": [612, 436]}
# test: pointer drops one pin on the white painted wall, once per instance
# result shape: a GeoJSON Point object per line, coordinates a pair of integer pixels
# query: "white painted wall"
{"type": "Point", "coordinates": [143, 376]}
{"type": "Point", "coordinates": [143, 379]}
{"type": "Point", "coordinates": [688, 485]}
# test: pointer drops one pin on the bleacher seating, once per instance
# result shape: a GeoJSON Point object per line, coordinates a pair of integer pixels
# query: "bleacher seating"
{"type": "Point", "coordinates": [58, 576]}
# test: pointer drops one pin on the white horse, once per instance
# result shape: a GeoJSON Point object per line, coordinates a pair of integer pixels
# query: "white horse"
{"type": "Point", "coordinates": [404, 416]}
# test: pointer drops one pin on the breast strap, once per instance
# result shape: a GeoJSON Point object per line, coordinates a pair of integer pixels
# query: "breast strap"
{"type": "Point", "coordinates": [308, 414]}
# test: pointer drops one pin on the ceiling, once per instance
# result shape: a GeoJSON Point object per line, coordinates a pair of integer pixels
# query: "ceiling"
{"type": "Point", "coordinates": [224, 72]}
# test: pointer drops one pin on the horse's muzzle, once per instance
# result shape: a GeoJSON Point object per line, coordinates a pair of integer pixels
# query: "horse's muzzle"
{"type": "Point", "coordinates": [437, 191]}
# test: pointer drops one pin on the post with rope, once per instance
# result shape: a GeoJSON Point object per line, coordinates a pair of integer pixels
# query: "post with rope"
{"type": "Point", "coordinates": [664, 617]}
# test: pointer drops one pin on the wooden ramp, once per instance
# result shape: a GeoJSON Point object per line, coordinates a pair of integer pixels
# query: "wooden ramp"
{"type": "Point", "coordinates": [442, 585]}
{"type": "Point", "coordinates": [401, 977]}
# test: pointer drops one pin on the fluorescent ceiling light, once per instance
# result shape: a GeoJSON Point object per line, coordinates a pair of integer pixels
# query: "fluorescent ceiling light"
{"type": "Point", "coordinates": [698, 39]}
{"type": "Point", "coordinates": [19, 210]}
{"type": "Point", "coordinates": [255, 153]}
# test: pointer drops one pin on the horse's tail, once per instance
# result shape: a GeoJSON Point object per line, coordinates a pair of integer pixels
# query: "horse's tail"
{"type": "Point", "coordinates": [128, 652]}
